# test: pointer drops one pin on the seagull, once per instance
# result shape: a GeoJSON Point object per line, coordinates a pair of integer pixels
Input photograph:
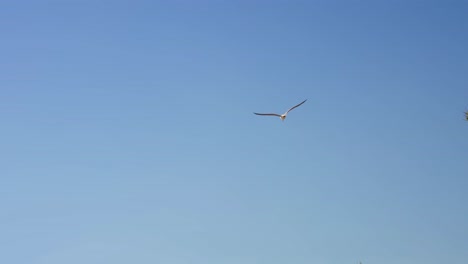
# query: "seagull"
{"type": "Point", "coordinates": [466, 115]}
{"type": "Point", "coordinates": [283, 116]}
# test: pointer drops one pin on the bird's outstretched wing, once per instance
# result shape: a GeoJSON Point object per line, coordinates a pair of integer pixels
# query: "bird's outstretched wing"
{"type": "Point", "coordinates": [268, 114]}
{"type": "Point", "coordinates": [296, 106]}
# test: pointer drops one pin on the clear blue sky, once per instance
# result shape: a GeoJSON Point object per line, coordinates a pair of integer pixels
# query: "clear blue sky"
{"type": "Point", "coordinates": [127, 133]}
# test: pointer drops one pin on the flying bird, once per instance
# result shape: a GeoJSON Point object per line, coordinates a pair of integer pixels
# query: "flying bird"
{"type": "Point", "coordinates": [283, 116]}
{"type": "Point", "coordinates": [466, 115]}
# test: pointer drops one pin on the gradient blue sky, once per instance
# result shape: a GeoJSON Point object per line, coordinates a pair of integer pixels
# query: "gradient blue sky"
{"type": "Point", "coordinates": [127, 133]}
